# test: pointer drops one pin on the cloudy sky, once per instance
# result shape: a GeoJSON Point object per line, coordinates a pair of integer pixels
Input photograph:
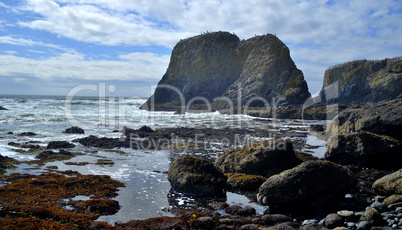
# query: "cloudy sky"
{"type": "Point", "coordinates": [48, 47]}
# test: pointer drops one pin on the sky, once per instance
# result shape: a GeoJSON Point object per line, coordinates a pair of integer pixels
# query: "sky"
{"type": "Point", "coordinates": [55, 47]}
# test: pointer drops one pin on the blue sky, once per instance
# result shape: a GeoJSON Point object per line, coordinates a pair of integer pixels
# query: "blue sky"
{"type": "Point", "coordinates": [48, 47]}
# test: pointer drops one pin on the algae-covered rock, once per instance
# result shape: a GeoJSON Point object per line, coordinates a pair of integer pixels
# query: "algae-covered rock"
{"type": "Point", "coordinates": [264, 158]}
{"type": "Point", "coordinates": [214, 65]}
{"type": "Point", "coordinates": [389, 184]}
{"type": "Point", "coordinates": [244, 182]}
{"type": "Point", "coordinates": [362, 81]}
{"type": "Point", "coordinates": [196, 176]}
{"type": "Point", "coordinates": [306, 187]}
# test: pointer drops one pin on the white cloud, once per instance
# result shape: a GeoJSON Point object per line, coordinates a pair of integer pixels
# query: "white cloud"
{"type": "Point", "coordinates": [31, 43]}
{"type": "Point", "coordinates": [320, 33]}
{"type": "Point", "coordinates": [131, 67]}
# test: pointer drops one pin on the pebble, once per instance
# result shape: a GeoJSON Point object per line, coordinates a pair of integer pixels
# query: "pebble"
{"type": "Point", "coordinates": [378, 205]}
{"type": "Point", "coordinates": [345, 213]}
{"type": "Point", "coordinates": [363, 225]}
{"type": "Point", "coordinates": [307, 222]}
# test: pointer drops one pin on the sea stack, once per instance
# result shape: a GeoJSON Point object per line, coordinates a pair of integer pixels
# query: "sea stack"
{"type": "Point", "coordinates": [363, 81]}
{"type": "Point", "coordinates": [217, 69]}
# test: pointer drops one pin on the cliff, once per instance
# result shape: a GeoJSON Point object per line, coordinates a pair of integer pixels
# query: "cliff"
{"type": "Point", "coordinates": [218, 64]}
{"type": "Point", "coordinates": [364, 81]}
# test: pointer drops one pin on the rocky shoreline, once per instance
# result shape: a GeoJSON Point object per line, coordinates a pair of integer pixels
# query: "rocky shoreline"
{"type": "Point", "coordinates": [300, 191]}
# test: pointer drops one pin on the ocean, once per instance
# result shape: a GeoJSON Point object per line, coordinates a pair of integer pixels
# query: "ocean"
{"type": "Point", "coordinates": [147, 187]}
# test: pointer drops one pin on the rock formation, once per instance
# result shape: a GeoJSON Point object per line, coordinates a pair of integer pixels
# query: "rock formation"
{"type": "Point", "coordinates": [218, 64]}
{"type": "Point", "coordinates": [306, 187]}
{"type": "Point", "coordinates": [196, 176]}
{"type": "Point", "coordinates": [362, 81]}
{"type": "Point", "coordinates": [368, 137]}
{"type": "Point", "coordinates": [265, 159]}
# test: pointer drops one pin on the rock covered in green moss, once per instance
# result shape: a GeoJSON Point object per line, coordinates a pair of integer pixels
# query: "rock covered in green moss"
{"type": "Point", "coordinates": [389, 184]}
{"type": "Point", "coordinates": [218, 64]}
{"type": "Point", "coordinates": [244, 182]}
{"type": "Point", "coordinates": [306, 187]}
{"type": "Point", "coordinates": [188, 174]}
{"type": "Point", "coordinates": [363, 81]}
{"type": "Point", "coordinates": [262, 158]}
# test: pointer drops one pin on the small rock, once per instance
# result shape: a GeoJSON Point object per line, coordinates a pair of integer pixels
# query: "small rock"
{"type": "Point", "coordinates": [205, 222]}
{"type": "Point", "coordinates": [27, 134]}
{"type": "Point", "coordinates": [333, 220]}
{"type": "Point", "coordinates": [146, 129]}
{"type": "Point", "coordinates": [378, 205]}
{"type": "Point", "coordinates": [247, 211]}
{"type": "Point", "coordinates": [312, 227]}
{"type": "Point", "coordinates": [74, 129]}
{"type": "Point", "coordinates": [308, 222]}
{"type": "Point", "coordinates": [350, 224]}
{"type": "Point", "coordinates": [345, 213]}
{"type": "Point", "coordinates": [364, 225]}
{"type": "Point", "coordinates": [249, 227]}
{"type": "Point", "coordinates": [372, 215]}
{"type": "Point", "coordinates": [271, 219]}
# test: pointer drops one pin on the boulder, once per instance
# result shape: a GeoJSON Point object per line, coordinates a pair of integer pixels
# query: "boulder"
{"type": "Point", "coordinates": [263, 158]}
{"type": "Point", "coordinates": [74, 129]}
{"type": "Point", "coordinates": [389, 184]}
{"type": "Point", "coordinates": [2, 108]}
{"type": "Point", "coordinates": [333, 220]}
{"type": "Point", "coordinates": [59, 145]}
{"type": "Point", "coordinates": [306, 187]}
{"type": "Point", "coordinates": [196, 176]}
{"type": "Point", "coordinates": [362, 81]}
{"type": "Point", "coordinates": [364, 149]}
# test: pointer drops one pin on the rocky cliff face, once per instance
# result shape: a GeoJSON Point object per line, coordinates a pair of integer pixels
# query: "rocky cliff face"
{"type": "Point", "coordinates": [364, 81]}
{"type": "Point", "coordinates": [218, 64]}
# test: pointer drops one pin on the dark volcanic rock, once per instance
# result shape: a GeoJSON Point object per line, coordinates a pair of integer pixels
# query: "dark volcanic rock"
{"type": "Point", "coordinates": [389, 184]}
{"type": "Point", "coordinates": [59, 145]}
{"type": "Point", "coordinates": [306, 187]}
{"type": "Point", "coordinates": [364, 149]}
{"type": "Point", "coordinates": [2, 108]}
{"type": "Point", "coordinates": [363, 81]}
{"type": "Point", "coordinates": [196, 176]}
{"type": "Point", "coordinates": [265, 158]}
{"type": "Point", "coordinates": [218, 64]}
{"type": "Point", "coordinates": [74, 129]}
